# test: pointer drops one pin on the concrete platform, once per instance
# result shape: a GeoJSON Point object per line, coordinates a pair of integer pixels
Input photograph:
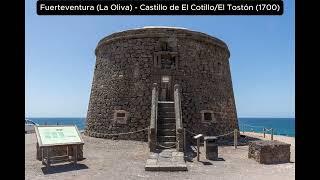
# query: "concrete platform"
{"type": "Point", "coordinates": [166, 160]}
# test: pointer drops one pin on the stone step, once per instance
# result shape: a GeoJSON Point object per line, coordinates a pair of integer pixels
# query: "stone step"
{"type": "Point", "coordinates": [166, 160]}
{"type": "Point", "coordinates": [166, 132]}
{"type": "Point", "coordinates": [167, 167]}
{"type": "Point", "coordinates": [166, 138]}
{"type": "Point", "coordinates": [166, 126]}
{"type": "Point", "coordinates": [166, 102]}
{"type": "Point", "coordinates": [162, 120]}
{"type": "Point", "coordinates": [166, 144]}
{"type": "Point", "coordinates": [166, 108]}
{"type": "Point", "coordinates": [161, 129]}
{"type": "Point", "coordinates": [162, 105]}
{"type": "Point", "coordinates": [161, 112]}
{"type": "Point", "coordinates": [166, 114]}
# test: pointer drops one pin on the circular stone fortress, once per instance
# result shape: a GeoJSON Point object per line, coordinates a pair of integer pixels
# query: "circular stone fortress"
{"type": "Point", "coordinates": [137, 73]}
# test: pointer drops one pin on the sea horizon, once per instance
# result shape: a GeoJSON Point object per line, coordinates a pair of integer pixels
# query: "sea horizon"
{"type": "Point", "coordinates": [280, 125]}
{"type": "Point", "coordinates": [238, 117]}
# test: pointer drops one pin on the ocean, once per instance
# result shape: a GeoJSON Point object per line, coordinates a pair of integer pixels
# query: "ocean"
{"type": "Point", "coordinates": [281, 126]}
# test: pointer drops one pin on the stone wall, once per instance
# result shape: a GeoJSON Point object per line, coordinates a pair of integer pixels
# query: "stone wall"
{"type": "Point", "coordinates": [129, 62]}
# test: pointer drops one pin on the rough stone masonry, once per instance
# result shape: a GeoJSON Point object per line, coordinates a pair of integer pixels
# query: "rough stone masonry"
{"type": "Point", "coordinates": [129, 62]}
{"type": "Point", "coordinates": [269, 152]}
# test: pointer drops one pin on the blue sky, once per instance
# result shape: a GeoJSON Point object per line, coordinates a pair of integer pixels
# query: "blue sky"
{"type": "Point", "coordinates": [59, 58]}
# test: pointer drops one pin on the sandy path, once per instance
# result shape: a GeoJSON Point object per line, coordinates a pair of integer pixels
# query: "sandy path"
{"type": "Point", "coordinates": [108, 159]}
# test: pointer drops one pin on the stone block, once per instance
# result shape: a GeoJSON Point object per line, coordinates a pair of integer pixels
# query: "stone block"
{"type": "Point", "coordinates": [269, 152]}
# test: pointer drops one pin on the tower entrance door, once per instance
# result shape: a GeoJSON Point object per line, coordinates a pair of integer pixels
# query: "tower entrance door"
{"type": "Point", "coordinates": [166, 89]}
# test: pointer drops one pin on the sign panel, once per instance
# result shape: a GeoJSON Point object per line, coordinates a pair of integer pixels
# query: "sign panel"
{"type": "Point", "coordinates": [58, 135]}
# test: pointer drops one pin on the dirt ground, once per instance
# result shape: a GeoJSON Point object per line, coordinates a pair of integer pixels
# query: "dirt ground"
{"type": "Point", "coordinates": [112, 159]}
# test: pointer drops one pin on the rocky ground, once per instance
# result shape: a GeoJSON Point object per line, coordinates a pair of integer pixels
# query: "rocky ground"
{"type": "Point", "coordinates": [112, 159]}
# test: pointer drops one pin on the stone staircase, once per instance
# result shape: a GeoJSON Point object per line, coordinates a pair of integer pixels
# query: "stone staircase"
{"type": "Point", "coordinates": [166, 127]}
{"type": "Point", "coordinates": [167, 155]}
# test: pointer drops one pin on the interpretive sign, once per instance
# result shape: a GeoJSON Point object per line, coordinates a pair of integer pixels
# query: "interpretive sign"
{"type": "Point", "coordinates": [51, 135]}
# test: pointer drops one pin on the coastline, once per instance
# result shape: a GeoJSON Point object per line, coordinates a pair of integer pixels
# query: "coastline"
{"type": "Point", "coordinates": [286, 139]}
{"type": "Point", "coordinates": [282, 127]}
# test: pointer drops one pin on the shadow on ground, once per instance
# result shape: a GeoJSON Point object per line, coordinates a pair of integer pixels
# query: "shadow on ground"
{"type": "Point", "coordinates": [191, 149]}
{"type": "Point", "coordinates": [191, 153]}
{"type": "Point", "coordinates": [63, 168]}
{"type": "Point", "coordinates": [206, 163]}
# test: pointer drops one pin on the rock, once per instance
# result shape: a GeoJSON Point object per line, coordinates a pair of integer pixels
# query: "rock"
{"type": "Point", "coordinates": [269, 152]}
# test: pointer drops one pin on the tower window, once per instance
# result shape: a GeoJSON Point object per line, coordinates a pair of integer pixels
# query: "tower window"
{"type": "Point", "coordinates": [121, 116]}
{"type": "Point", "coordinates": [207, 116]}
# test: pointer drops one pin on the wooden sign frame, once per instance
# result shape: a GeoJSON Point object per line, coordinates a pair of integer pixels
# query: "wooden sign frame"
{"type": "Point", "coordinates": [57, 144]}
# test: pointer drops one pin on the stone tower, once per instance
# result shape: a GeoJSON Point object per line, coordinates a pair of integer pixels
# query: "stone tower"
{"type": "Point", "coordinates": [128, 63]}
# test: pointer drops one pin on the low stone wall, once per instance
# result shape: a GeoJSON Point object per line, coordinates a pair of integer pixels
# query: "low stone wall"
{"type": "Point", "coordinates": [269, 152]}
{"type": "Point", "coordinates": [60, 151]}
